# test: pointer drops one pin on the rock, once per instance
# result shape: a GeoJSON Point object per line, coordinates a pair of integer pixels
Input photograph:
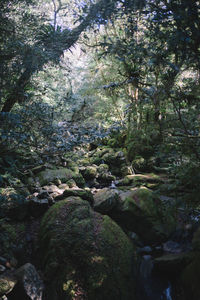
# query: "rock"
{"type": "Point", "coordinates": [140, 211]}
{"type": "Point", "coordinates": [29, 282]}
{"type": "Point", "coordinates": [89, 172]}
{"type": "Point", "coordinates": [49, 175]}
{"type": "Point", "coordinates": [172, 263]}
{"type": "Point", "coordinates": [172, 247]}
{"type": "Point", "coordinates": [7, 283]}
{"type": "Point", "coordinates": [105, 200]}
{"type": "Point", "coordinates": [71, 183]}
{"type": "Point", "coordinates": [103, 168]}
{"type": "Point", "coordinates": [63, 186]}
{"type": "Point", "coordinates": [53, 189]}
{"type": "Point", "coordinates": [141, 179]}
{"type": "Point", "coordinates": [62, 174]}
{"type": "Point", "coordinates": [83, 194]}
{"type": "Point", "coordinates": [89, 253]}
{"type": "Point", "coordinates": [106, 178]}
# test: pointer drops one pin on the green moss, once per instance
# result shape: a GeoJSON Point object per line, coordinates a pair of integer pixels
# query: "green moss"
{"type": "Point", "coordinates": [90, 172]}
{"type": "Point", "coordinates": [49, 175]}
{"type": "Point", "coordinates": [142, 212]}
{"type": "Point", "coordinates": [85, 252]}
{"type": "Point", "coordinates": [62, 174]}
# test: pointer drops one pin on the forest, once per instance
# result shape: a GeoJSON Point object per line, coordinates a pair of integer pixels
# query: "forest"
{"type": "Point", "coordinates": [99, 149]}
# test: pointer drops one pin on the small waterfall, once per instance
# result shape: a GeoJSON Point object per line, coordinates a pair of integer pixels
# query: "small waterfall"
{"type": "Point", "coordinates": [167, 293]}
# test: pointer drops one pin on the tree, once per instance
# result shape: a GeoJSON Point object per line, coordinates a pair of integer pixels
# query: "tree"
{"type": "Point", "coordinates": [47, 45]}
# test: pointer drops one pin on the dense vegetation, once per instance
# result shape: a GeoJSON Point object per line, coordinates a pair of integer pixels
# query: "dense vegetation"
{"type": "Point", "coordinates": [118, 74]}
{"type": "Point", "coordinates": [135, 68]}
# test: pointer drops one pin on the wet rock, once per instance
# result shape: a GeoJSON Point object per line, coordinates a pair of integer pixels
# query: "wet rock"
{"type": "Point", "coordinates": [172, 247]}
{"type": "Point", "coordinates": [89, 253]}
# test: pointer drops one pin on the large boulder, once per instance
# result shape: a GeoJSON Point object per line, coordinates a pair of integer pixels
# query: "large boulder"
{"type": "Point", "coordinates": [140, 211]}
{"type": "Point", "coordinates": [85, 255]}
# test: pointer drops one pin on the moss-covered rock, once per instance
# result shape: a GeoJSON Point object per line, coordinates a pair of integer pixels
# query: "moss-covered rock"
{"type": "Point", "coordinates": [85, 254]}
{"type": "Point", "coordinates": [142, 212]}
{"type": "Point", "coordinates": [141, 179]}
{"type": "Point", "coordinates": [103, 168]}
{"type": "Point", "coordinates": [49, 175]}
{"type": "Point", "coordinates": [63, 174]}
{"type": "Point", "coordinates": [90, 172]}
{"type": "Point", "coordinates": [83, 194]}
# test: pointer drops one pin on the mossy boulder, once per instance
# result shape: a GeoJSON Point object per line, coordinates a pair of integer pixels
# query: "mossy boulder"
{"type": "Point", "coordinates": [142, 179]}
{"type": "Point", "coordinates": [142, 212]}
{"type": "Point", "coordinates": [90, 172]}
{"type": "Point", "coordinates": [83, 194]}
{"type": "Point", "coordinates": [103, 168]}
{"type": "Point", "coordinates": [63, 174]}
{"type": "Point", "coordinates": [106, 178]}
{"type": "Point", "coordinates": [84, 253]}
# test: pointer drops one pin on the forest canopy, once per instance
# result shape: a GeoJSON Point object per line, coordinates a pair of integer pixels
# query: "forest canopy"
{"type": "Point", "coordinates": [138, 61]}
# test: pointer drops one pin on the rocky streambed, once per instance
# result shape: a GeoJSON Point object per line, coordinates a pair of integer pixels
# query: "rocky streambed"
{"type": "Point", "coordinates": [83, 226]}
